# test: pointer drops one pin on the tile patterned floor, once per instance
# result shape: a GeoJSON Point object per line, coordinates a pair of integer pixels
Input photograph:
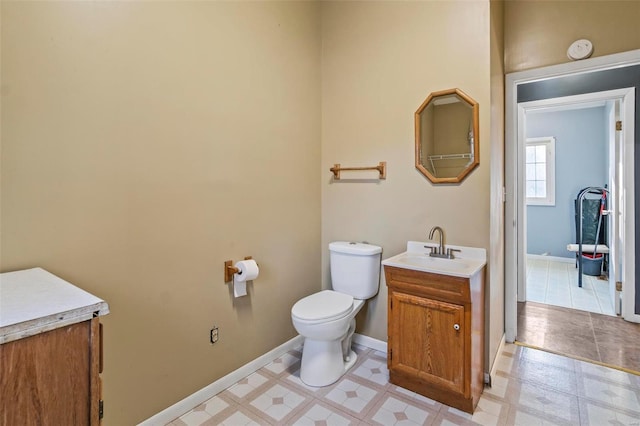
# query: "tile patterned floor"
{"type": "Point", "coordinates": [556, 283]}
{"type": "Point", "coordinates": [530, 387]}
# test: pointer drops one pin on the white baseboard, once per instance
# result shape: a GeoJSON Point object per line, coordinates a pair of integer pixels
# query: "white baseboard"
{"type": "Point", "coordinates": [370, 342]}
{"type": "Point", "coordinates": [176, 410]}
{"type": "Point", "coordinates": [492, 373]}
{"type": "Point", "coordinates": [187, 404]}
{"type": "Point", "coordinates": [553, 258]}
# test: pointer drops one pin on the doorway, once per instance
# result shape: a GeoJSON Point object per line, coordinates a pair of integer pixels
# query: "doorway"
{"type": "Point", "coordinates": [561, 93]}
{"type": "Point", "coordinates": [573, 143]}
{"type": "Point", "coordinates": [562, 313]}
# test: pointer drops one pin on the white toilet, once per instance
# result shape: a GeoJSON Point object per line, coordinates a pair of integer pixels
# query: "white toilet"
{"type": "Point", "coordinates": [326, 319]}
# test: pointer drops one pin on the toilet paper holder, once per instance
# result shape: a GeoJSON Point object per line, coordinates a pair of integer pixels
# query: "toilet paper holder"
{"type": "Point", "coordinates": [229, 269]}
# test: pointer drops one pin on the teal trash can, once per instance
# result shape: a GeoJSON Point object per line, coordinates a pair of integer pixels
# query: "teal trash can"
{"type": "Point", "coordinates": [592, 265]}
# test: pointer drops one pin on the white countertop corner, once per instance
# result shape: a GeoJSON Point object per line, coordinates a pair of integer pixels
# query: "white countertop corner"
{"type": "Point", "coordinates": [33, 301]}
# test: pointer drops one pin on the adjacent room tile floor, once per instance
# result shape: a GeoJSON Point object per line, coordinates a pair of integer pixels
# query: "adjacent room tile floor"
{"type": "Point", "coordinates": [561, 317]}
{"type": "Point", "coordinates": [530, 387]}
{"type": "Point", "coordinates": [556, 283]}
{"type": "Point", "coordinates": [601, 338]}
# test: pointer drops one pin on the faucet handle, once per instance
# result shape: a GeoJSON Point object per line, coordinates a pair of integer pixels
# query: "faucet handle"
{"type": "Point", "coordinates": [450, 252]}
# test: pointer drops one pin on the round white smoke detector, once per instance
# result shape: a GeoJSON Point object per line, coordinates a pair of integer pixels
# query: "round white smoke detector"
{"type": "Point", "coordinates": [580, 49]}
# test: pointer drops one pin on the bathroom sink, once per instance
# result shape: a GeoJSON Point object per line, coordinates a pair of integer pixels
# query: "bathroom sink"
{"type": "Point", "coordinates": [416, 261]}
{"type": "Point", "coordinates": [465, 263]}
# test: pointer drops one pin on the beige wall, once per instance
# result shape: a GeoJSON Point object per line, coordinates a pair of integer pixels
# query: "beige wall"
{"type": "Point", "coordinates": [380, 60]}
{"type": "Point", "coordinates": [132, 133]}
{"type": "Point", "coordinates": [145, 143]}
{"type": "Point", "coordinates": [538, 33]}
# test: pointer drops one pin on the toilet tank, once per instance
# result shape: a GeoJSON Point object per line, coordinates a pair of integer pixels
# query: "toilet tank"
{"type": "Point", "coordinates": [355, 268]}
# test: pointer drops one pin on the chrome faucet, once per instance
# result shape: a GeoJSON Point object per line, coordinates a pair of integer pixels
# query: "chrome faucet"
{"type": "Point", "coordinates": [439, 251]}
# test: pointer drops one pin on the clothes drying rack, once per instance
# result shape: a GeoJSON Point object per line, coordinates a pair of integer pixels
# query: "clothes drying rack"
{"type": "Point", "coordinates": [582, 241]}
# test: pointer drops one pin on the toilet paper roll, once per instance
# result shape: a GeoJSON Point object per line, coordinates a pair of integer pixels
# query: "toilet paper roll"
{"type": "Point", "coordinates": [239, 288]}
{"type": "Point", "coordinates": [248, 271]}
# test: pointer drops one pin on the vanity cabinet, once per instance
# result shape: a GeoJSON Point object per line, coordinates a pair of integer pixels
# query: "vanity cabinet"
{"type": "Point", "coordinates": [436, 335]}
{"type": "Point", "coordinates": [50, 351]}
{"type": "Point", "coordinates": [52, 378]}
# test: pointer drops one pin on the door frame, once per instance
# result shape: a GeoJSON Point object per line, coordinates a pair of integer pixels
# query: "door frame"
{"type": "Point", "coordinates": [616, 179]}
{"type": "Point", "coordinates": [515, 235]}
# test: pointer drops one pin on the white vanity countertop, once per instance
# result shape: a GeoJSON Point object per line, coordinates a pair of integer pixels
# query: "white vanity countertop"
{"type": "Point", "coordinates": [466, 262]}
{"type": "Point", "coordinates": [33, 301]}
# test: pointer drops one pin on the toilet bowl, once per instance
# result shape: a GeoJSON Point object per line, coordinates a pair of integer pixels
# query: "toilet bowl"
{"type": "Point", "coordinates": [326, 319]}
{"type": "Point", "coordinates": [327, 322]}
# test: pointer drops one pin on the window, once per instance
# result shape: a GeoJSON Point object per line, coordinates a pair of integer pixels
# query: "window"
{"type": "Point", "coordinates": [540, 161]}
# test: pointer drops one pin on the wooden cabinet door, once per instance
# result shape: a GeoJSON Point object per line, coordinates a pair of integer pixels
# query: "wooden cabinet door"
{"type": "Point", "coordinates": [427, 340]}
{"type": "Point", "coordinates": [51, 378]}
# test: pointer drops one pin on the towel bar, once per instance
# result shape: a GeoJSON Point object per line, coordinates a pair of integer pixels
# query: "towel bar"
{"type": "Point", "coordinates": [381, 168]}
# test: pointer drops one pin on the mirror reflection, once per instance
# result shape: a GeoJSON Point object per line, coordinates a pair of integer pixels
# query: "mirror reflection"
{"type": "Point", "coordinates": [447, 136]}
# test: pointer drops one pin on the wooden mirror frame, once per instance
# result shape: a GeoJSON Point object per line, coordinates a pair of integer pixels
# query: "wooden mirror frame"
{"type": "Point", "coordinates": [476, 136]}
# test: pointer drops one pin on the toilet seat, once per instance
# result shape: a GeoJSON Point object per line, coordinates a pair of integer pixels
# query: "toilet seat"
{"type": "Point", "coordinates": [323, 306]}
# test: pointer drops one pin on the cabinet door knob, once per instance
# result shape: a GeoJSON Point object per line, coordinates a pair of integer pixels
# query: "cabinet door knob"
{"type": "Point", "coordinates": [456, 327]}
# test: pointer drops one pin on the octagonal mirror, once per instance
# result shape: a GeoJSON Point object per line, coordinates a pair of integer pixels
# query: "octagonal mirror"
{"type": "Point", "coordinates": [447, 146]}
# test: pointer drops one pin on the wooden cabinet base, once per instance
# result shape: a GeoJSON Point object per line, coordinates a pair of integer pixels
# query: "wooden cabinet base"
{"type": "Point", "coordinates": [452, 399]}
{"type": "Point", "coordinates": [436, 335]}
{"type": "Point", "coordinates": [51, 378]}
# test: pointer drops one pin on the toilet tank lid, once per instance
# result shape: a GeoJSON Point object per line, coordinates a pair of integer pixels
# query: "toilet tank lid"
{"type": "Point", "coordinates": [361, 249]}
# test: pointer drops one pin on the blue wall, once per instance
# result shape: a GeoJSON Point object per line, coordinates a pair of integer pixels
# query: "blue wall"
{"type": "Point", "coordinates": [581, 161]}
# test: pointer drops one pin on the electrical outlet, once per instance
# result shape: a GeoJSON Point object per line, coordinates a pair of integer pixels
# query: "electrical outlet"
{"type": "Point", "coordinates": [213, 334]}
{"type": "Point", "coordinates": [487, 379]}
